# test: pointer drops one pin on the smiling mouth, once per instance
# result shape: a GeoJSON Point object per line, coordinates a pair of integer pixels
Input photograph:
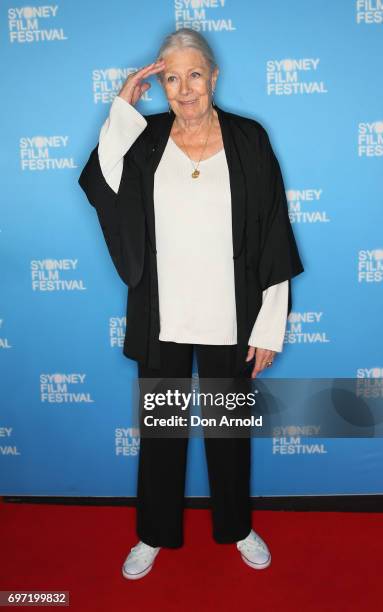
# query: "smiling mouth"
{"type": "Point", "coordinates": [188, 101]}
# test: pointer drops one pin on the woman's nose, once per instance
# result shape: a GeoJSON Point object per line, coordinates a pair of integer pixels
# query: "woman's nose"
{"type": "Point", "coordinates": [185, 86]}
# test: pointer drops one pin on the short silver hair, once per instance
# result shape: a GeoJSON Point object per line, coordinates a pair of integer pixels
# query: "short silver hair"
{"type": "Point", "coordinates": [186, 37]}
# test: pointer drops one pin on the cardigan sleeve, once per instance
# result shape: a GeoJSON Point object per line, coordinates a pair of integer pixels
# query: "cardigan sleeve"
{"type": "Point", "coordinates": [279, 257]}
{"type": "Point", "coordinates": [270, 325]}
{"type": "Point", "coordinates": [100, 180]}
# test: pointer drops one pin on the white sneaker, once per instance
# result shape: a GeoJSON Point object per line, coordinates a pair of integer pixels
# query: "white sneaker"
{"type": "Point", "coordinates": [254, 551]}
{"type": "Point", "coordinates": [139, 561]}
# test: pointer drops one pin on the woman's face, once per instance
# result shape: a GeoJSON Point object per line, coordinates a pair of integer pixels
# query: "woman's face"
{"type": "Point", "coordinates": [188, 82]}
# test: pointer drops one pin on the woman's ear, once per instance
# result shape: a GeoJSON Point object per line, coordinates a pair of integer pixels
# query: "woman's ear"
{"type": "Point", "coordinates": [214, 77]}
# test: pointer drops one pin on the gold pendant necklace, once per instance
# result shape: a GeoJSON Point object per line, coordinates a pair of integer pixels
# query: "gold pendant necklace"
{"type": "Point", "coordinates": [195, 174]}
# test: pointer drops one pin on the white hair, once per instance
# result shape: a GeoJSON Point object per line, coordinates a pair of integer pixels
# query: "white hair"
{"type": "Point", "coordinates": [186, 37]}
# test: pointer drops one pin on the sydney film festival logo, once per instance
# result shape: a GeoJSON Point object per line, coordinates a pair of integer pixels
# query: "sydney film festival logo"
{"type": "Point", "coordinates": [294, 76]}
{"type": "Point", "coordinates": [370, 139]}
{"type": "Point", "coordinates": [369, 12]}
{"type": "Point", "coordinates": [64, 388]}
{"type": "Point", "coordinates": [107, 82]}
{"type": "Point", "coordinates": [45, 153]}
{"type": "Point", "coordinates": [56, 275]}
{"type": "Point", "coordinates": [304, 206]}
{"type": "Point", "coordinates": [369, 383]}
{"type": "Point", "coordinates": [370, 266]}
{"type": "Point", "coordinates": [375, 372]}
{"type": "Point", "coordinates": [126, 441]}
{"type": "Point", "coordinates": [203, 15]}
{"type": "Point", "coordinates": [290, 440]}
{"type": "Point", "coordinates": [305, 328]}
{"type": "Point", "coordinates": [4, 341]}
{"type": "Point", "coordinates": [117, 330]}
{"type": "Point", "coordinates": [34, 24]}
{"type": "Point", "coordinates": [6, 446]}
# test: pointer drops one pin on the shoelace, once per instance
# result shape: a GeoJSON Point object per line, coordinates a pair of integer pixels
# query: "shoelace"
{"type": "Point", "coordinates": [254, 542]}
{"type": "Point", "coordinates": [142, 550]}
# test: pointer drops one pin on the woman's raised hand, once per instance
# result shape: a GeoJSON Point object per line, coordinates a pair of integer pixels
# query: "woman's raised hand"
{"type": "Point", "coordinates": [134, 87]}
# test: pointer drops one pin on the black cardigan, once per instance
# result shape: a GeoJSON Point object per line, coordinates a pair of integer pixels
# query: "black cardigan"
{"type": "Point", "coordinates": [264, 247]}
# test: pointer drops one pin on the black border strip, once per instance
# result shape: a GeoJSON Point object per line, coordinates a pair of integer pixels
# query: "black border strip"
{"type": "Point", "coordinates": [301, 503]}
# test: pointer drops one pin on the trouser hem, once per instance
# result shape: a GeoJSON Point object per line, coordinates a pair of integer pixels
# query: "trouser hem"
{"type": "Point", "coordinates": [232, 539]}
{"type": "Point", "coordinates": [159, 542]}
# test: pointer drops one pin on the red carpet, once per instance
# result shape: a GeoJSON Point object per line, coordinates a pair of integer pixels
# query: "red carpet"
{"type": "Point", "coordinates": [320, 561]}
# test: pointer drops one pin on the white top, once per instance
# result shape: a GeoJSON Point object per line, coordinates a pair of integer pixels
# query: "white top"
{"type": "Point", "coordinates": [195, 252]}
{"type": "Point", "coordinates": [194, 242]}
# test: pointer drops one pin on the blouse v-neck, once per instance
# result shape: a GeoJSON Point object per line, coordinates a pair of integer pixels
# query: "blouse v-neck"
{"type": "Point", "coordinates": [194, 161]}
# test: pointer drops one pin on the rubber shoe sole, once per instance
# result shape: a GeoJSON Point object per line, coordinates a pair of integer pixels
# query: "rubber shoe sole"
{"type": "Point", "coordinates": [137, 576]}
{"type": "Point", "coordinates": [256, 565]}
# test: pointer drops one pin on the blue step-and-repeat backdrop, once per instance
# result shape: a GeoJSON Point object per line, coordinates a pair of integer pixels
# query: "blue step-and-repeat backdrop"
{"type": "Point", "coordinates": [309, 72]}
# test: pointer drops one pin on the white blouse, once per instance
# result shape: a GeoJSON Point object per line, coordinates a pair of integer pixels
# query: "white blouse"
{"type": "Point", "coordinates": [195, 252]}
{"type": "Point", "coordinates": [194, 242]}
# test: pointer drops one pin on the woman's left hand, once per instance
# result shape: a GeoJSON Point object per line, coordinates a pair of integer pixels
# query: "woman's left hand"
{"type": "Point", "coordinates": [263, 357]}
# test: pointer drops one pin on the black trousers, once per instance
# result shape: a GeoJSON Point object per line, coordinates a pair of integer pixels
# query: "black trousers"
{"type": "Point", "coordinates": [162, 461]}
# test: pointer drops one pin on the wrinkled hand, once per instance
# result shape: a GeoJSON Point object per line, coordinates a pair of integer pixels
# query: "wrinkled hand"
{"type": "Point", "coordinates": [262, 358]}
{"type": "Point", "coordinates": [134, 87]}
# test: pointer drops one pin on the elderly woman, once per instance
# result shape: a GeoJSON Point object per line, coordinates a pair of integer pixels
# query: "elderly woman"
{"type": "Point", "coordinates": [193, 210]}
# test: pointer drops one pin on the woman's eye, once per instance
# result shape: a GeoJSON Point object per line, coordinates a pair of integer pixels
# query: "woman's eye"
{"type": "Point", "coordinates": [197, 73]}
{"type": "Point", "coordinates": [169, 79]}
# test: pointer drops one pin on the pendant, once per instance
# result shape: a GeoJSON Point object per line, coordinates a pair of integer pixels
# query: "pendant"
{"type": "Point", "coordinates": [195, 174]}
